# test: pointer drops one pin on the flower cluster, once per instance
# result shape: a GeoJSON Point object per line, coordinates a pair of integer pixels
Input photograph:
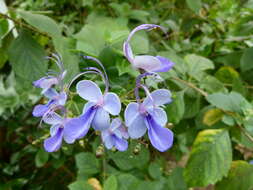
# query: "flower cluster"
{"type": "Point", "coordinates": [101, 110]}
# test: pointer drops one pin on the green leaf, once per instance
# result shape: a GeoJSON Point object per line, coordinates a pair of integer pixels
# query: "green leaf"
{"type": "Point", "coordinates": [4, 27]}
{"type": "Point", "coordinates": [177, 108]}
{"type": "Point", "coordinates": [233, 102]}
{"type": "Point", "coordinates": [192, 106]}
{"type": "Point", "coordinates": [128, 160]}
{"type": "Point", "coordinates": [210, 158]}
{"type": "Point", "coordinates": [41, 22]}
{"type": "Point", "coordinates": [176, 180]}
{"type": "Point", "coordinates": [211, 84]}
{"type": "Point", "coordinates": [127, 181]}
{"type": "Point", "coordinates": [96, 35]}
{"type": "Point", "coordinates": [87, 164]}
{"type": "Point", "coordinates": [80, 185]}
{"type": "Point", "coordinates": [70, 60]}
{"type": "Point", "coordinates": [194, 5]}
{"type": "Point", "coordinates": [240, 177]}
{"type": "Point", "coordinates": [27, 57]}
{"type": "Point", "coordinates": [246, 60]}
{"type": "Point", "coordinates": [41, 158]}
{"type": "Point", "coordinates": [155, 170]}
{"type": "Point", "coordinates": [151, 185]}
{"type": "Point", "coordinates": [111, 183]}
{"type": "Point", "coordinates": [125, 67]}
{"type": "Point", "coordinates": [197, 64]}
{"type": "Point", "coordinates": [212, 116]}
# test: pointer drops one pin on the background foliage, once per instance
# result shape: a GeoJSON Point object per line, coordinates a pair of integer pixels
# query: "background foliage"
{"type": "Point", "coordinates": [211, 115]}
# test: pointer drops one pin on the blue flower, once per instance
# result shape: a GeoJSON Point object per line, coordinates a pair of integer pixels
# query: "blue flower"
{"type": "Point", "coordinates": [146, 62]}
{"type": "Point", "coordinates": [115, 136]}
{"type": "Point", "coordinates": [55, 99]}
{"type": "Point", "coordinates": [53, 143]}
{"type": "Point", "coordinates": [149, 116]}
{"type": "Point", "coordinates": [95, 112]}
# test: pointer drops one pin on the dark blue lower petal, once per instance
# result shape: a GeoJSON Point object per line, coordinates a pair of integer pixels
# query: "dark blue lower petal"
{"type": "Point", "coordinates": [77, 128]}
{"type": "Point", "coordinates": [53, 143]}
{"type": "Point", "coordinates": [120, 143]}
{"type": "Point", "coordinates": [161, 138]}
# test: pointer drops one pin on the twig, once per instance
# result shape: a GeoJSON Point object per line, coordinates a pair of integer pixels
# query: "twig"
{"type": "Point", "coordinates": [246, 86]}
{"type": "Point", "coordinates": [22, 24]}
{"type": "Point", "coordinates": [245, 133]}
{"type": "Point", "coordinates": [202, 92]}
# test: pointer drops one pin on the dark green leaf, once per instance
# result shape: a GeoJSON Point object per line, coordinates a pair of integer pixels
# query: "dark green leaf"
{"type": "Point", "coordinates": [87, 163]}
{"type": "Point", "coordinates": [41, 158]}
{"type": "Point", "coordinates": [246, 60]}
{"type": "Point", "coordinates": [155, 170]}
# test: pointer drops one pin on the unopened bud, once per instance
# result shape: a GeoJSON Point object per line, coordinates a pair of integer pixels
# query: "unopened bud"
{"type": "Point", "coordinates": [137, 149]}
{"type": "Point", "coordinates": [100, 151]}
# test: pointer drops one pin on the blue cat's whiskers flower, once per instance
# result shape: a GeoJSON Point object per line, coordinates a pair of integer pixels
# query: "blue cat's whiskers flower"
{"type": "Point", "coordinates": [146, 62]}
{"type": "Point", "coordinates": [149, 116]}
{"type": "Point", "coordinates": [115, 135]}
{"type": "Point", "coordinates": [96, 111]}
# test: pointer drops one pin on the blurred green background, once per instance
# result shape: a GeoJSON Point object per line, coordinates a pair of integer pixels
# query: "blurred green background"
{"type": "Point", "coordinates": [211, 43]}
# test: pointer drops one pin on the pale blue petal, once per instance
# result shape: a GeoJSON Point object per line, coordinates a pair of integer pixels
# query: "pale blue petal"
{"type": "Point", "coordinates": [51, 93]}
{"type": "Point", "coordinates": [146, 62]}
{"type": "Point", "coordinates": [131, 112]}
{"type": "Point", "coordinates": [40, 110]}
{"type": "Point", "coordinates": [89, 91]}
{"type": "Point", "coordinates": [112, 103]}
{"type": "Point", "coordinates": [159, 115]}
{"type": "Point", "coordinates": [137, 128]}
{"type": "Point", "coordinates": [54, 129]}
{"type": "Point", "coordinates": [109, 142]}
{"type": "Point", "coordinates": [158, 98]}
{"type": "Point", "coordinates": [101, 120]}
{"type": "Point", "coordinates": [52, 118]}
{"type": "Point", "coordinates": [62, 98]}
{"type": "Point", "coordinates": [128, 52]}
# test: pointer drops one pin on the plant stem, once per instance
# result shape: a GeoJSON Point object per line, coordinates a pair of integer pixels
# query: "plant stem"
{"type": "Point", "coordinates": [202, 92]}
{"type": "Point", "coordinates": [245, 133]}
{"type": "Point", "coordinates": [22, 24]}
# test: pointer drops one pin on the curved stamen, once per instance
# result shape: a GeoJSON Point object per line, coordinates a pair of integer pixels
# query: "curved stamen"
{"type": "Point", "coordinates": [139, 85]}
{"type": "Point", "coordinates": [60, 66]}
{"type": "Point", "coordinates": [144, 27]}
{"type": "Point", "coordinates": [102, 75]}
{"type": "Point", "coordinates": [58, 57]}
{"type": "Point", "coordinates": [98, 62]}
{"type": "Point", "coordinates": [78, 75]}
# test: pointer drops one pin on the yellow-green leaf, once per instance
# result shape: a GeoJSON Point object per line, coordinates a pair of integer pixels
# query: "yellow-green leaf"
{"type": "Point", "coordinates": [212, 116]}
{"type": "Point", "coordinates": [210, 158]}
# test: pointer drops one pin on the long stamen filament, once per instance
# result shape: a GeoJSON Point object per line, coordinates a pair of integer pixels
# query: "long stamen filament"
{"type": "Point", "coordinates": [139, 85]}
{"type": "Point", "coordinates": [102, 75]}
{"type": "Point", "coordinates": [77, 76]}
{"type": "Point", "coordinates": [99, 63]}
